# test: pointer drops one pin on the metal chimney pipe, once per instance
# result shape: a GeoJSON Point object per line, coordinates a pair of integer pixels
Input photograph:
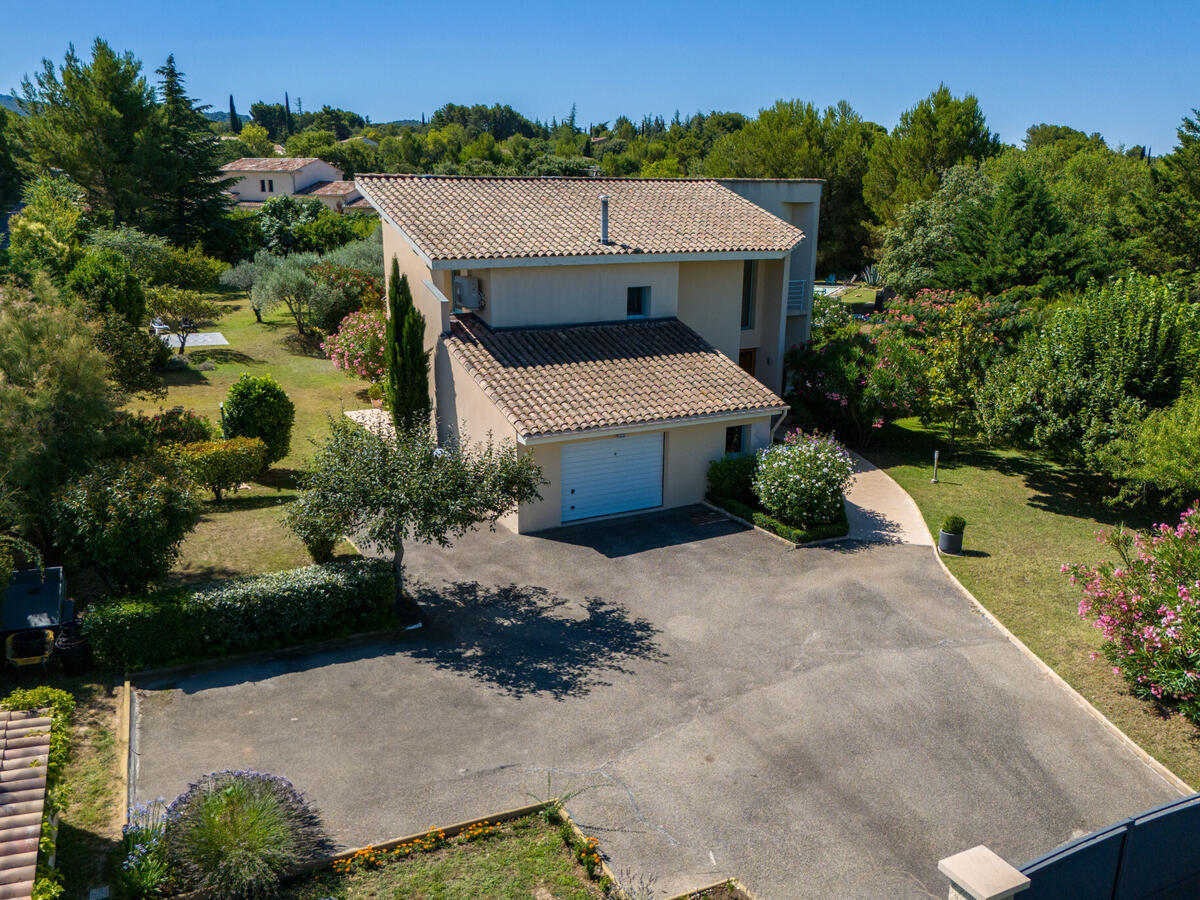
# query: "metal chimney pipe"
{"type": "Point", "coordinates": [604, 219]}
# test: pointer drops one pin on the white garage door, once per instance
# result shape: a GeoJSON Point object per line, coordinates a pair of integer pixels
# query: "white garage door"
{"type": "Point", "coordinates": [612, 475]}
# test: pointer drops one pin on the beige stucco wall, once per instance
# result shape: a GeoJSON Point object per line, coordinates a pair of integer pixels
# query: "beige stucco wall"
{"type": "Point", "coordinates": [710, 302]}
{"type": "Point", "coordinates": [247, 186]}
{"type": "Point", "coordinates": [687, 451]}
{"type": "Point", "coordinates": [561, 295]}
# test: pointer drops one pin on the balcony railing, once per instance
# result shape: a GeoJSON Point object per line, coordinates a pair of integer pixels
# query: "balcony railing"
{"type": "Point", "coordinates": [797, 296]}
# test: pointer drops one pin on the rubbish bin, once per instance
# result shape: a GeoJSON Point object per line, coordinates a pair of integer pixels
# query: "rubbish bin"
{"type": "Point", "coordinates": [73, 649]}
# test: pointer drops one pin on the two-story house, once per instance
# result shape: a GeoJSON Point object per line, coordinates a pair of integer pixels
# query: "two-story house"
{"type": "Point", "coordinates": [256, 180]}
{"type": "Point", "coordinates": [625, 331]}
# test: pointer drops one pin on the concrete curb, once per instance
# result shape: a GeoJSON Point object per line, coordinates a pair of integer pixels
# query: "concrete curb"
{"type": "Point", "coordinates": [716, 885]}
{"type": "Point", "coordinates": [1149, 761]}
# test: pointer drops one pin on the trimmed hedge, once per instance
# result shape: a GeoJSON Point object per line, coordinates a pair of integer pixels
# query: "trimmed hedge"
{"type": "Point", "coordinates": [767, 522]}
{"type": "Point", "coordinates": [260, 612]}
{"type": "Point", "coordinates": [220, 465]}
{"type": "Point", "coordinates": [733, 477]}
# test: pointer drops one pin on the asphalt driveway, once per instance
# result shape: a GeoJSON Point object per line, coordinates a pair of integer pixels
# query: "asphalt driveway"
{"type": "Point", "coordinates": [820, 722]}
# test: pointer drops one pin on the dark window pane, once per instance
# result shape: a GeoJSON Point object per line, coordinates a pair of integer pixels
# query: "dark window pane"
{"type": "Point", "coordinates": [637, 302]}
{"type": "Point", "coordinates": [733, 439]}
{"type": "Point", "coordinates": [748, 285]}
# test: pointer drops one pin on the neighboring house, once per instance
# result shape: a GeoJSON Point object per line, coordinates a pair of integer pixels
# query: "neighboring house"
{"type": "Point", "coordinates": [626, 331]}
{"type": "Point", "coordinates": [257, 180]}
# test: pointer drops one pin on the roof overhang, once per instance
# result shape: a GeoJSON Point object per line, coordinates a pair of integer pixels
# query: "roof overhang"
{"type": "Point", "coordinates": [530, 440]}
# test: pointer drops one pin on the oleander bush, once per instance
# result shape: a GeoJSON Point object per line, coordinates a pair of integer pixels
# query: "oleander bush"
{"type": "Point", "coordinates": [257, 407]}
{"type": "Point", "coordinates": [1147, 603]}
{"type": "Point", "coordinates": [802, 481]}
{"type": "Point", "coordinates": [236, 834]}
{"type": "Point", "coordinates": [357, 346]}
{"type": "Point", "coordinates": [241, 615]}
{"type": "Point", "coordinates": [219, 465]}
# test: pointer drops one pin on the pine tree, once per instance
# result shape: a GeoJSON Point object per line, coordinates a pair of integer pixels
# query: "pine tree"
{"type": "Point", "coordinates": [235, 124]}
{"type": "Point", "coordinates": [186, 193]}
{"type": "Point", "coordinates": [405, 356]}
{"type": "Point", "coordinates": [1170, 208]}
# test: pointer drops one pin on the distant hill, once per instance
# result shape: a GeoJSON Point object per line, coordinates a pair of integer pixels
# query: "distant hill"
{"type": "Point", "coordinates": [9, 102]}
{"type": "Point", "coordinates": [214, 116]}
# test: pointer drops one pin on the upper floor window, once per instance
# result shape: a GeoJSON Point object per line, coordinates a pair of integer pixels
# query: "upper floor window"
{"type": "Point", "coordinates": [637, 302]}
{"type": "Point", "coordinates": [749, 285]}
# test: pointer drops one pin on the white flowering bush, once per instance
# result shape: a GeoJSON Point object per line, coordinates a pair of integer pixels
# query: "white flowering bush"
{"type": "Point", "coordinates": [801, 481]}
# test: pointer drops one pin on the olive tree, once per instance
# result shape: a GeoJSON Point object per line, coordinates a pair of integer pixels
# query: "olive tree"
{"type": "Point", "coordinates": [182, 310]}
{"type": "Point", "coordinates": [405, 488]}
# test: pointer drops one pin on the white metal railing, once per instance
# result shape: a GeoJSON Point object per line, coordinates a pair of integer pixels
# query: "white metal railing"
{"type": "Point", "coordinates": [797, 295]}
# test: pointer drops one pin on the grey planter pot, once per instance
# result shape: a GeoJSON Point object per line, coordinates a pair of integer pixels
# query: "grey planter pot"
{"type": "Point", "coordinates": [950, 543]}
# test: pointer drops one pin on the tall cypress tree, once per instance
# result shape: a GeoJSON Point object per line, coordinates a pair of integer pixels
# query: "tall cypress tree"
{"type": "Point", "coordinates": [235, 124]}
{"type": "Point", "coordinates": [405, 356]}
{"type": "Point", "coordinates": [186, 193]}
{"type": "Point", "coordinates": [287, 117]}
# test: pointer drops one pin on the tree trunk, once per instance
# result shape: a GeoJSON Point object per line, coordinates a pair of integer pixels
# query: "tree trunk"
{"type": "Point", "coordinates": [405, 607]}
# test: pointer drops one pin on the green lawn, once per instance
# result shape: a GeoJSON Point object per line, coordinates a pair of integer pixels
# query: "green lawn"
{"type": "Point", "coordinates": [859, 298]}
{"type": "Point", "coordinates": [1025, 518]}
{"type": "Point", "coordinates": [524, 860]}
{"type": "Point", "coordinates": [244, 534]}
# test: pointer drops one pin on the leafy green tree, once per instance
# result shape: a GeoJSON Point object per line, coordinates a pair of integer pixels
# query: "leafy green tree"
{"type": "Point", "coordinates": [133, 355]}
{"type": "Point", "coordinates": [183, 311]}
{"type": "Point", "coordinates": [408, 488]}
{"type": "Point", "coordinates": [923, 239]}
{"type": "Point", "coordinates": [288, 285]}
{"type": "Point", "coordinates": [793, 139]}
{"type": "Point", "coordinates": [1016, 238]}
{"type": "Point", "coordinates": [281, 217]}
{"type": "Point", "coordinates": [105, 282]}
{"type": "Point", "coordinates": [127, 520]}
{"type": "Point", "coordinates": [10, 178]}
{"type": "Point", "coordinates": [257, 140]}
{"type": "Point", "coordinates": [406, 361]}
{"type": "Point", "coordinates": [55, 401]}
{"type": "Point", "coordinates": [956, 358]}
{"type": "Point", "coordinates": [47, 234]}
{"type": "Point", "coordinates": [272, 118]}
{"type": "Point", "coordinates": [907, 165]}
{"type": "Point", "coordinates": [1170, 208]}
{"type": "Point", "coordinates": [258, 407]}
{"type": "Point", "coordinates": [219, 466]}
{"type": "Point", "coordinates": [1163, 456]}
{"type": "Point", "coordinates": [310, 143]}
{"type": "Point", "coordinates": [186, 197]}
{"type": "Point", "coordinates": [91, 121]}
{"type": "Point", "coordinates": [1094, 370]}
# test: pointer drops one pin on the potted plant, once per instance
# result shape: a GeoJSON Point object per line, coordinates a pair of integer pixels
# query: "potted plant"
{"type": "Point", "coordinates": [950, 537]}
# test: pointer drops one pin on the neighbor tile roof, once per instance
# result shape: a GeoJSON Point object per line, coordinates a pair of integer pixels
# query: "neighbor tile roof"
{"type": "Point", "coordinates": [568, 379]}
{"type": "Point", "coordinates": [24, 745]}
{"type": "Point", "coordinates": [269, 164]}
{"type": "Point", "coordinates": [329, 189]}
{"type": "Point", "coordinates": [453, 217]}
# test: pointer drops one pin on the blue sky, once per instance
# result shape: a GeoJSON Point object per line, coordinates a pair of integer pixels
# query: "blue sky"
{"type": "Point", "coordinates": [1123, 69]}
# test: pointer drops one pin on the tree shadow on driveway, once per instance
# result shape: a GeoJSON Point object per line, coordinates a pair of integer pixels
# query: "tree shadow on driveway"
{"type": "Point", "coordinates": [525, 640]}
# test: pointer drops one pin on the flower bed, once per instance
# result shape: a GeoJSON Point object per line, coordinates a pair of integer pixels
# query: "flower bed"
{"type": "Point", "coordinates": [261, 612]}
{"type": "Point", "coordinates": [756, 515]}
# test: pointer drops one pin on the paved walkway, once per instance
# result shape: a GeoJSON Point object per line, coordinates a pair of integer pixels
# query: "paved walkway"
{"type": "Point", "coordinates": [822, 722]}
{"type": "Point", "coordinates": [880, 511]}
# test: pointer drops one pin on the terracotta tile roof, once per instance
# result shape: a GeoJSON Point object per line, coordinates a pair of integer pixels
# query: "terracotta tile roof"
{"type": "Point", "coordinates": [269, 164]}
{"type": "Point", "coordinates": [329, 189]}
{"type": "Point", "coordinates": [567, 379]}
{"type": "Point", "coordinates": [24, 745]}
{"type": "Point", "coordinates": [452, 217]}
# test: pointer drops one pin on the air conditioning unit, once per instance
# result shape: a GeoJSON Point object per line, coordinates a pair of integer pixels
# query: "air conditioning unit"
{"type": "Point", "coordinates": [466, 293]}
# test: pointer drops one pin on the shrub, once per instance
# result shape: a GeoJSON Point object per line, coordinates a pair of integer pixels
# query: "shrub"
{"type": "Point", "coordinates": [148, 255]}
{"type": "Point", "coordinates": [105, 282]}
{"type": "Point", "coordinates": [127, 520]}
{"type": "Point", "coordinates": [219, 465]}
{"type": "Point", "coordinates": [281, 219]}
{"type": "Point", "coordinates": [145, 871]}
{"type": "Point", "coordinates": [732, 478]}
{"type": "Point", "coordinates": [1147, 604]}
{"type": "Point", "coordinates": [802, 480]}
{"type": "Point", "coordinates": [235, 834]}
{"type": "Point", "coordinates": [316, 528]}
{"type": "Point", "coordinates": [190, 268]}
{"type": "Point", "coordinates": [754, 515]}
{"type": "Point", "coordinates": [240, 615]}
{"type": "Point", "coordinates": [328, 231]}
{"type": "Point", "coordinates": [177, 425]}
{"type": "Point", "coordinates": [365, 255]}
{"type": "Point", "coordinates": [259, 407]}
{"type": "Point", "coordinates": [357, 346]}
{"type": "Point", "coordinates": [954, 524]}
{"type": "Point", "coordinates": [349, 291]}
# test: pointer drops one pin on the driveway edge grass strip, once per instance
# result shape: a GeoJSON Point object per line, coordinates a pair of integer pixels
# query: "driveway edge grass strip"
{"type": "Point", "coordinates": [1153, 764]}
